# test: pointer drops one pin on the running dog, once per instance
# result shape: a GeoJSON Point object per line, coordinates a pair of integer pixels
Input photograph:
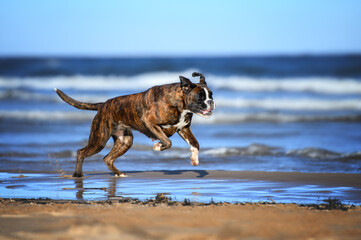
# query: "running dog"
{"type": "Point", "coordinates": [158, 113]}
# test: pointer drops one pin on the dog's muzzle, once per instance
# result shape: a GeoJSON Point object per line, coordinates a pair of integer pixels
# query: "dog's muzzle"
{"type": "Point", "coordinates": [206, 113]}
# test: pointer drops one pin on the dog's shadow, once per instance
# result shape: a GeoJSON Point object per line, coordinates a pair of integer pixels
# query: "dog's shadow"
{"type": "Point", "coordinates": [201, 173]}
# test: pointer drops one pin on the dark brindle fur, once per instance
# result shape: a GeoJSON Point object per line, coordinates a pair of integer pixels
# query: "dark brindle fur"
{"type": "Point", "coordinates": [158, 113]}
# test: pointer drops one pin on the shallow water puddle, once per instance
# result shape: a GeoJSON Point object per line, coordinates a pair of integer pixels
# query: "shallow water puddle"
{"type": "Point", "coordinates": [105, 186]}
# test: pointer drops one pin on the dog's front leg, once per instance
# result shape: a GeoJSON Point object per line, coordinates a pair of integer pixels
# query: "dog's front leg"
{"type": "Point", "coordinates": [164, 143]}
{"type": "Point", "coordinates": [188, 136]}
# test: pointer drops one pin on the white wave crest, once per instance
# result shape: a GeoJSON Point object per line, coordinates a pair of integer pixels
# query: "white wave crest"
{"type": "Point", "coordinates": [47, 115]}
{"type": "Point", "coordinates": [296, 104]}
{"type": "Point", "coordinates": [144, 81]}
{"type": "Point", "coordinates": [31, 96]}
{"type": "Point", "coordinates": [101, 83]}
{"type": "Point", "coordinates": [266, 150]}
{"type": "Point", "coordinates": [218, 118]}
{"type": "Point", "coordinates": [304, 104]}
{"type": "Point", "coordinates": [314, 153]}
{"type": "Point", "coordinates": [232, 118]}
{"type": "Point", "coordinates": [309, 84]}
{"type": "Point", "coordinates": [252, 150]}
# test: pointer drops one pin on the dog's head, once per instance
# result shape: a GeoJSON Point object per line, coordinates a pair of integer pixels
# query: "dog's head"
{"type": "Point", "coordinates": [198, 97]}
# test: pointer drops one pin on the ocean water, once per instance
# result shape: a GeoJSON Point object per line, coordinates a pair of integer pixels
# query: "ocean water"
{"type": "Point", "coordinates": [287, 114]}
{"type": "Point", "coordinates": [272, 113]}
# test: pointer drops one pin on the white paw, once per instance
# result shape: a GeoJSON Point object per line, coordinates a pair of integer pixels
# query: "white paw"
{"type": "Point", "coordinates": [121, 175]}
{"type": "Point", "coordinates": [157, 146]}
{"type": "Point", "coordinates": [194, 162]}
{"type": "Point", "coordinates": [194, 157]}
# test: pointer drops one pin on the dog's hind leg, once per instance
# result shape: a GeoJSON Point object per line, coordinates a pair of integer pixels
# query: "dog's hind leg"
{"type": "Point", "coordinates": [123, 140]}
{"type": "Point", "coordinates": [86, 152]}
{"type": "Point", "coordinates": [99, 135]}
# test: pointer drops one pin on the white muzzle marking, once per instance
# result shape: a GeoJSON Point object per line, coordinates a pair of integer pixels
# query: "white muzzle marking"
{"type": "Point", "coordinates": [207, 99]}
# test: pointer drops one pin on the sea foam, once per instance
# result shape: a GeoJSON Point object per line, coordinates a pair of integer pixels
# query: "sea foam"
{"type": "Point", "coordinates": [217, 118]}
{"type": "Point", "coordinates": [323, 85]}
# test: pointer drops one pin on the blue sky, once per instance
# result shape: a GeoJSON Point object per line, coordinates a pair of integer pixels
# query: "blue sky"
{"type": "Point", "coordinates": [179, 28]}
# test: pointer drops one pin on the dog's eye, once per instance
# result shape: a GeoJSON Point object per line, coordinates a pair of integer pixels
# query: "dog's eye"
{"type": "Point", "coordinates": [201, 96]}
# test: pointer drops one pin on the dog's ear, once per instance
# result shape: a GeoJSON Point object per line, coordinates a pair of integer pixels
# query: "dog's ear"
{"type": "Point", "coordinates": [202, 80]}
{"type": "Point", "coordinates": [186, 84]}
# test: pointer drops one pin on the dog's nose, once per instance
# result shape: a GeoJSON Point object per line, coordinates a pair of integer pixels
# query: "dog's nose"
{"type": "Point", "coordinates": [211, 104]}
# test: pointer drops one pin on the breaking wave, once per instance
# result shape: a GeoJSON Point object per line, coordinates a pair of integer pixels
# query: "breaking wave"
{"type": "Point", "coordinates": [305, 104]}
{"type": "Point", "coordinates": [310, 84]}
{"type": "Point", "coordinates": [332, 99]}
{"type": "Point", "coordinates": [252, 150]}
{"type": "Point", "coordinates": [47, 115]}
{"type": "Point", "coordinates": [217, 118]}
{"type": "Point", "coordinates": [323, 85]}
{"type": "Point", "coordinates": [265, 150]}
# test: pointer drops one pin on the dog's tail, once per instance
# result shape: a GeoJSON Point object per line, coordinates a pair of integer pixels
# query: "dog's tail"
{"type": "Point", "coordinates": [77, 104]}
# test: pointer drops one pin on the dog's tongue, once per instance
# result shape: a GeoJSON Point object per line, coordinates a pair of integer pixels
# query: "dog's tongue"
{"type": "Point", "coordinates": [206, 111]}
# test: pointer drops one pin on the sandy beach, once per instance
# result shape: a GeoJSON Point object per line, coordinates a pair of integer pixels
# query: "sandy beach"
{"type": "Point", "coordinates": [69, 220]}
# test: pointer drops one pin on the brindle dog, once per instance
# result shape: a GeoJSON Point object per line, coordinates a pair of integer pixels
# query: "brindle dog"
{"type": "Point", "coordinates": [158, 113]}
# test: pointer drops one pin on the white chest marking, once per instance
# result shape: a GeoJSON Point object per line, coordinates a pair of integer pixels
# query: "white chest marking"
{"type": "Point", "coordinates": [182, 121]}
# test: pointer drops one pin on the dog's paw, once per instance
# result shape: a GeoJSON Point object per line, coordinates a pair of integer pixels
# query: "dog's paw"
{"type": "Point", "coordinates": [120, 175]}
{"type": "Point", "coordinates": [194, 161]}
{"type": "Point", "coordinates": [157, 146]}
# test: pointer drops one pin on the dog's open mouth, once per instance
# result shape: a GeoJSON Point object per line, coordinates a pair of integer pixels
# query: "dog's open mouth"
{"type": "Point", "coordinates": [205, 113]}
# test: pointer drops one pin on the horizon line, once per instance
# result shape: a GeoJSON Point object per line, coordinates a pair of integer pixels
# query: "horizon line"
{"type": "Point", "coordinates": [331, 54]}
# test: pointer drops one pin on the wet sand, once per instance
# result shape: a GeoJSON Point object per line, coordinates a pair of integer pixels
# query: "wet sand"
{"type": "Point", "coordinates": [196, 185]}
{"type": "Point", "coordinates": [105, 220]}
{"type": "Point", "coordinates": [327, 179]}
